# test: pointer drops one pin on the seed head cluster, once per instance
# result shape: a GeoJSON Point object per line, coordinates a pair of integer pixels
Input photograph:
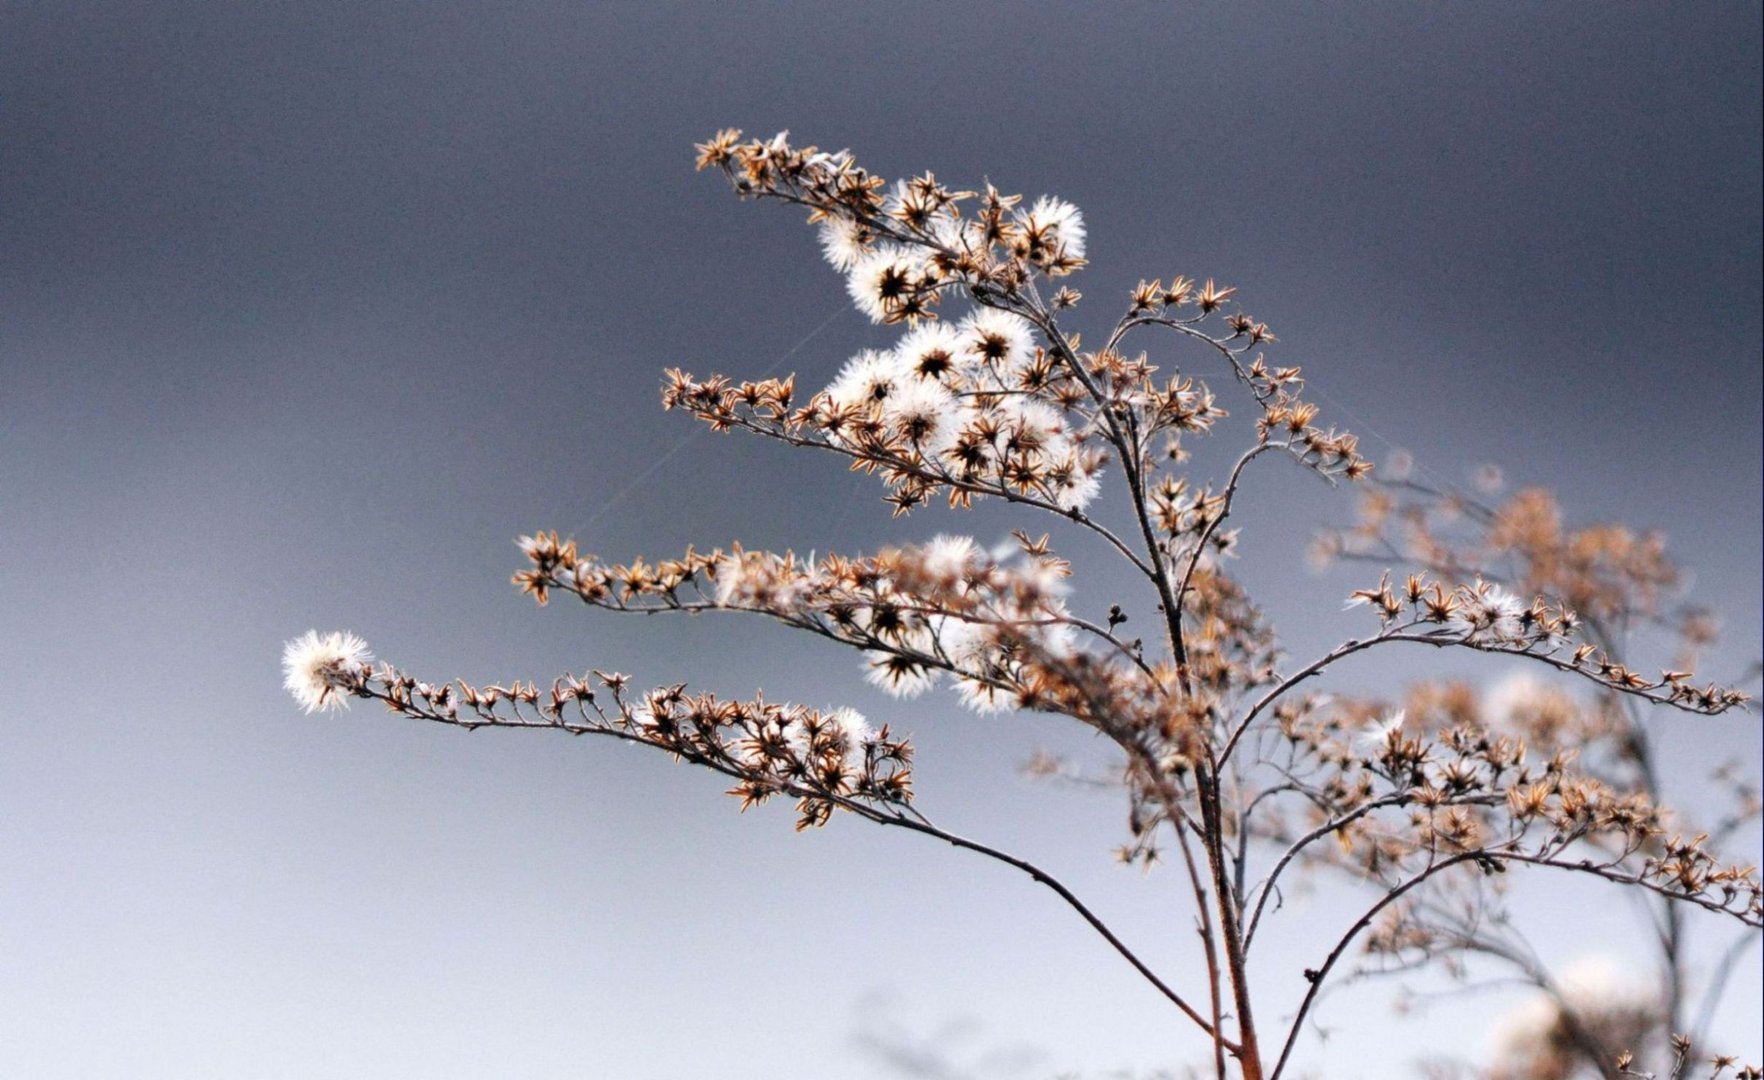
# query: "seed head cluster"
{"type": "Point", "coordinates": [1235, 768]}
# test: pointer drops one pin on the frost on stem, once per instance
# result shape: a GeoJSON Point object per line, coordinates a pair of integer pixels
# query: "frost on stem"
{"type": "Point", "coordinates": [1231, 763]}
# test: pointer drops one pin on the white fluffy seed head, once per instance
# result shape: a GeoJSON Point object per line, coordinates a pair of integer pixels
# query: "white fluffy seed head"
{"type": "Point", "coordinates": [879, 276]}
{"type": "Point", "coordinates": [935, 351]}
{"type": "Point", "coordinates": [901, 678]}
{"type": "Point", "coordinates": [758, 579]}
{"type": "Point", "coordinates": [1035, 426]}
{"type": "Point", "coordinates": [1076, 489]}
{"type": "Point", "coordinates": [1490, 612]}
{"type": "Point", "coordinates": [867, 379]}
{"type": "Point", "coordinates": [948, 559]}
{"type": "Point", "coordinates": [318, 669]}
{"type": "Point", "coordinates": [843, 243]}
{"type": "Point", "coordinates": [1063, 222]}
{"type": "Point", "coordinates": [854, 731]}
{"type": "Point", "coordinates": [1372, 739]}
{"type": "Point", "coordinates": [983, 697]}
{"type": "Point", "coordinates": [997, 339]}
{"type": "Point", "coordinates": [924, 414]}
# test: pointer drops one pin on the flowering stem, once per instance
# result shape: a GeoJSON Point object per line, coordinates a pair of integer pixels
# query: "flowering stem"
{"type": "Point", "coordinates": [1132, 467]}
{"type": "Point", "coordinates": [1075, 516]}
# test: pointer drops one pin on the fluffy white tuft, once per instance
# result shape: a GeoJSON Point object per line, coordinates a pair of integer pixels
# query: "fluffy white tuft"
{"type": "Point", "coordinates": [983, 697]}
{"type": "Point", "coordinates": [924, 414]}
{"type": "Point", "coordinates": [1490, 611]}
{"type": "Point", "coordinates": [1375, 736]}
{"type": "Point", "coordinates": [1061, 220]}
{"type": "Point", "coordinates": [866, 379]}
{"type": "Point", "coordinates": [843, 243]}
{"type": "Point", "coordinates": [319, 668]}
{"type": "Point", "coordinates": [934, 350]}
{"type": "Point", "coordinates": [998, 339]}
{"type": "Point", "coordinates": [854, 732]}
{"type": "Point", "coordinates": [879, 275]}
{"type": "Point", "coordinates": [901, 678]}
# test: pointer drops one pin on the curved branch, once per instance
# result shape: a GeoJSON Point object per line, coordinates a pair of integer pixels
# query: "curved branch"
{"type": "Point", "coordinates": [1187, 328]}
{"type": "Point", "coordinates": [1279, 690]}
{"type": "Point", "coordinates": [672, 603]}
{"type": "Point", "coordinates": [1443, 639]}
{"type": "Point", "coordinates": [1065, 894]}
{"type": "Point", "coordinates": [1267, 884]}
{"type": "Point", "coordinates": [1480, 856]}
{"type": "Point", "coordinates": [1718, 985]}
{"type": "Point", "coordinates": [1212, 526]}
{"type": "Point", "coordinates": [1076, 516]}
{"type": "Point", "coordinates": [916, 822]}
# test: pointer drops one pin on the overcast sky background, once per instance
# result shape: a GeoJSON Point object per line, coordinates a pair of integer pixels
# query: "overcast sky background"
{"type": "Point", "coordinates": [310, 308]}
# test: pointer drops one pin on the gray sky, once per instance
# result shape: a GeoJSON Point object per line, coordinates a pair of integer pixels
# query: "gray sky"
{"type": "Point", "coordinates": [311, 308]}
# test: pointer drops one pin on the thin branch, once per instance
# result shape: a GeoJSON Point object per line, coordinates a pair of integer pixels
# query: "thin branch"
{"type": "Point", "coordinates": [950, 480]}
{"type": "Point", "coordinates": [1266, 885]}
{"type": "Point", "coordinates": [1066, 894]}
{"type": "Point", "coordinates": [1724, 970]}
{"type": "Point", "coordinates": [1480, 856]}
{"type": "Point", "coordinates": [1442, 639]}
{"type": "Point", "coordinates": [1213, 523]}
{"type": "Point", "coordinates": [906, 818]}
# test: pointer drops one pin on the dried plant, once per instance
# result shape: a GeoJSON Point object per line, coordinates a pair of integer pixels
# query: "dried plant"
{"type": "Point", "coordinates": [1622, 586]}
{"type": "Point", "coordinates": [1228, 760]}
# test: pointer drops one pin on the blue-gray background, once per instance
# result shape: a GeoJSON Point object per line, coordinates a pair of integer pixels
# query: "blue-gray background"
{"type": "Point", "coordinates": [310, 308]}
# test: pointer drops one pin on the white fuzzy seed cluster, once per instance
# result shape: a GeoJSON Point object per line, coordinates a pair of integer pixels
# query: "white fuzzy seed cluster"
{"type": "Point", "coordinates": [322, 670]}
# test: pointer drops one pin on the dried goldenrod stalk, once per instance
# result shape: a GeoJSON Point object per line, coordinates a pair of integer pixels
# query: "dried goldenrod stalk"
{"type": "Point", "coordinates": [1227, 759]}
